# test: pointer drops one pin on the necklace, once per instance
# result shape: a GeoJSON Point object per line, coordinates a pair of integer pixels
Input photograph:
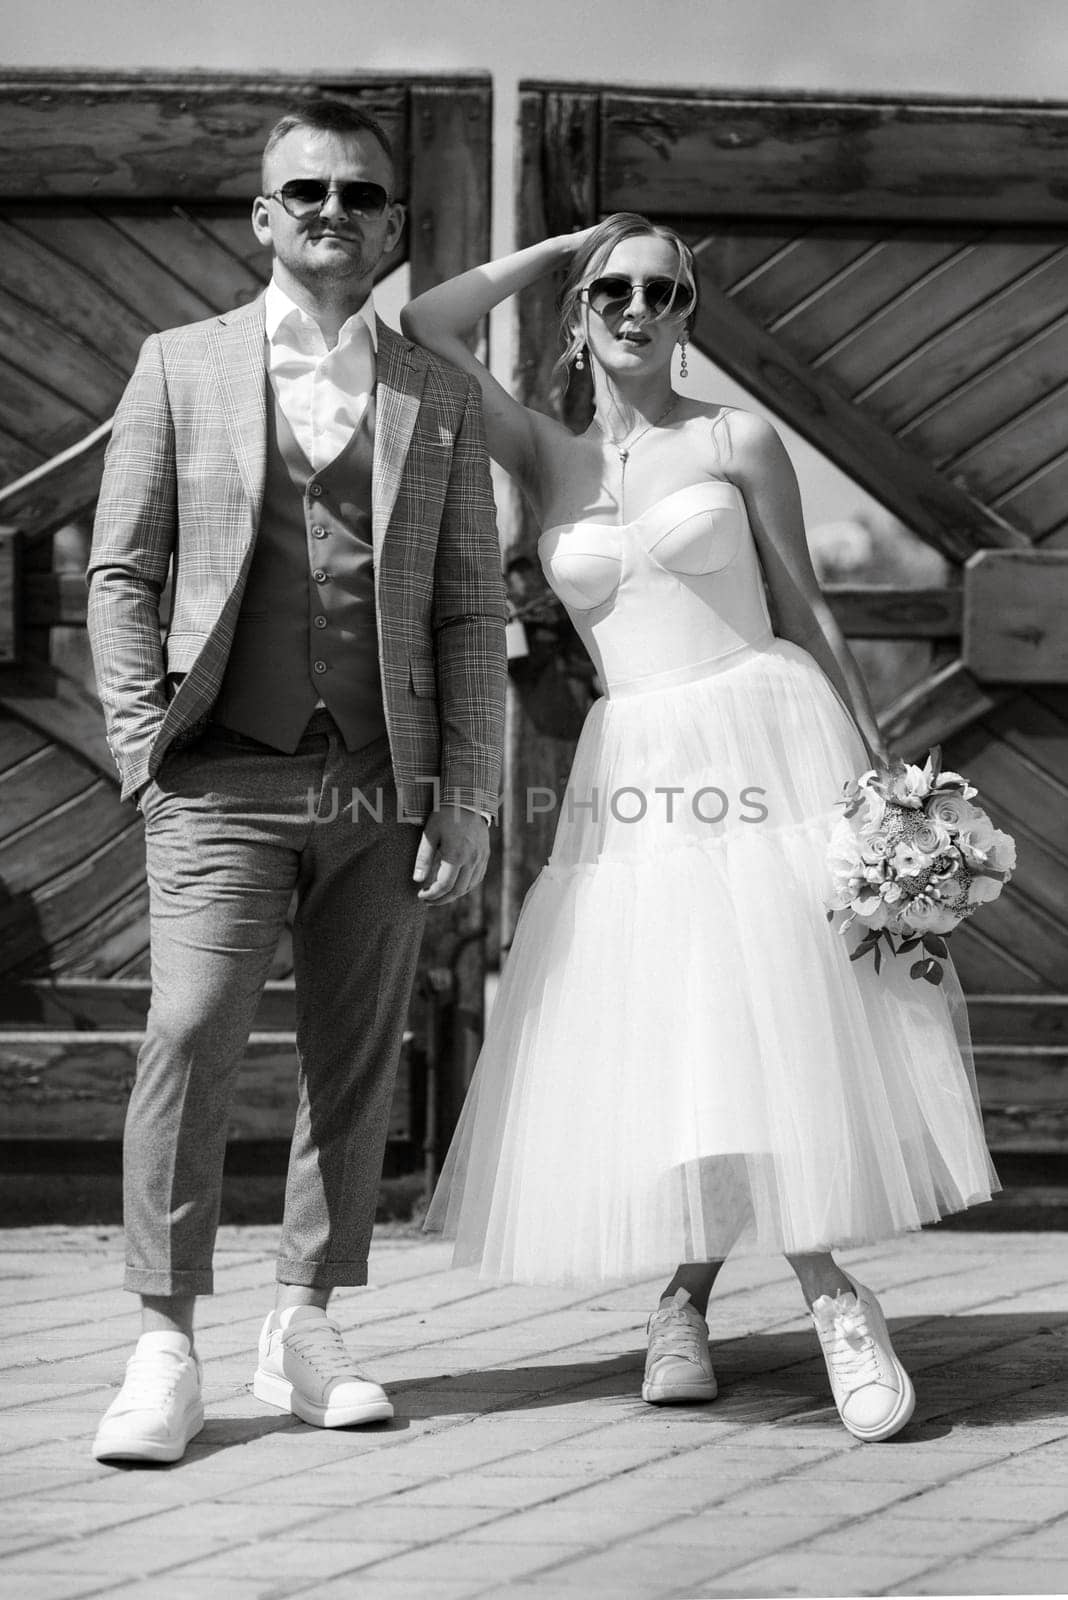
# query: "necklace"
{"type": "Point", "coordinates": [624, 450]}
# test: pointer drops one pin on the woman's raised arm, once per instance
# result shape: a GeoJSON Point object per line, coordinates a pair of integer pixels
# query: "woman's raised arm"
{"type": "Point", "coordinates": [439, 319]}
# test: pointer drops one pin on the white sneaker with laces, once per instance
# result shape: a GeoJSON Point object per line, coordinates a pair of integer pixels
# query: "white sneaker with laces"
{"type": "Point", "coordinates": [871, 1388]}
{"type": "Point", "coordinates": [678, 1367]}
{"type": "Point", "coordinates": [304, 1368]}
{"type": "Point", "coordinates": [159, 1407]}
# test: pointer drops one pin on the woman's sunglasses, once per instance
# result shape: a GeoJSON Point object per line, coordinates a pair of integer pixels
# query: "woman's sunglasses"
{"type": "Point", "coordinates": [610, 296]}
{"type": "Point", "coordinates": [305, 197]}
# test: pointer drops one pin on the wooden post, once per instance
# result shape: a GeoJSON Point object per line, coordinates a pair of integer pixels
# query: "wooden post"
{"type": "Point", "coordinates": [450, 174]}
{"type": "Point", "coordinates": [10, 595]}
{"type": "Point", "coordinates": [556, 193]}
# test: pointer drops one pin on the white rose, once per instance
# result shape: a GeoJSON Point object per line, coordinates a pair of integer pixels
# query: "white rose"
{"type": "Point", "coordinates": [951, 810]}
{"type": "Point", "coordinates": [983, 889]}
{"type": "Point", "coordinates": [926, 915]}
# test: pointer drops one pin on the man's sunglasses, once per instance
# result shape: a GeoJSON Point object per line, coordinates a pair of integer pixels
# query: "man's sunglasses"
{"type": "Point", "coordinates": [305, 197]}
{"type": "Point", "coordinates": [611, 296]}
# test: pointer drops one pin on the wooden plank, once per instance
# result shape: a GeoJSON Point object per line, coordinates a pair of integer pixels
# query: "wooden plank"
{"type": "Point", "coordinates": [17, 742]}
{"type": "Point", "coordinates": [69, 295]}
{"type": "Point", "coordinates": [1021, 1130]}
{"type": "Point", "coordinates": [1038, 503]}
{"type": "Point", "coordinates": [939, 512]}
{"type": "Point", "coordinates": [736, 252]}
{"type": "Point", "coordinates": [1028, 441]}
{"type": "Point", "coordinates": [450, 178]}
{"type": "Point", "coordinates": [16, 458]}
{"type": "Point", "coordinates": [976, 354]}
{"type": "Point", "coordinates": [47, 779]}
{"type": "Point", "coordinates": [985, 965]}
{"type": "Point", "coordinates": [117, 932]}
{"type": "Point", "coordinates": [95, 1004]}
{"type": "Point", "coordinates": [88, 238]}
{"type": "Point", "coordinates": [10, 594]}
{"type": "Point", "coordinates": [806, 267]}
{"type": "Point", "coordinates": [83, 377]}
{"type": "Point", "coordinates": [36, 418]}
{"type": "Point", "coordinates": [930, 712]}
{"type": "Point", "coordinates": [1015, 603]}
{"type": "Point", "coordinates": [231, 227]}
{"type": "Point", "coordinates": [70, 911]}
{"type": "Point", "coordinates": [1023, 1076]}
{"type": "Point", "coordinates": [555, 192]}
{"type": "Point", "coordinates": [832, 157]}
{"type": "Point", "coordinates": [1036, 936]}
{"type": "Point", "coordinates": [67, 1085]}
{"type": "Point", "coordinates": [58, 491]}
{"type": "Point", "coordinates": [1018, 1019]}
{"type": "Point", "coordinates": [177, 242]}
{"type": "Point", "coordinates": [825, 321]}
{"type": "Point", "coordinates": [60, 708]}
{"type": "Point", "coordinates": [1009, 778]}
{"type": "Point", "coordinates": [61, 839]}
{"type": "Point", "coordinates": [1036, 730]}
{"type": "Point", "coordinates": [881, 611]}
{"type": "Point", "coordinates": [927, 306]}
{"type": "Point", "coordinates": [164, 136]}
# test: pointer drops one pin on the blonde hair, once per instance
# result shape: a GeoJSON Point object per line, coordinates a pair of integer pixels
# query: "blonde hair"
{"type": "Point", "coordinates": [594, 253]}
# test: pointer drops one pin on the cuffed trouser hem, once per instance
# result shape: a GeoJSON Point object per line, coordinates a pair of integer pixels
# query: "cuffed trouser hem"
{"type": "Point", "coordinates": [322, 1274]}
{"type": "Point", "coordinates": [146, 1280]}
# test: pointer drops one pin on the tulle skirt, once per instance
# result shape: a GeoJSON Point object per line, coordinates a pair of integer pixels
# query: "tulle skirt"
{"type": "Point", "coordinates": [682, 1060]}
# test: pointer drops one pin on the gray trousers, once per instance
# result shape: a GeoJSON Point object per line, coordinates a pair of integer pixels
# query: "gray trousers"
{"type": "Point", "coordinates": [232, 828]}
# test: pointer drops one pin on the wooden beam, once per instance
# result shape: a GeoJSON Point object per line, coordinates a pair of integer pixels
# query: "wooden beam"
{"type": "Point", "coordinates": [927, 714]}
{"type": "Point", "coordinates": [58, 490]}
{"type": "Point", "coordinates": [880, 611]}
{"type": "Point", "coordinates": [1015, 605]}
{"type": "Point", "coordinates": [174, 136]}
{"type": "Point", "coordinates": [668, 154]}
{"type": "Point", "coordinates": [115, 1003]}
{"type": "Point", "coordinates": [61, 708]}
{"type": "Point", "coordinates": [450, 141]}
{"type": "Point", "coordinates": [11, 618]}
{"type": "Point", "coordinates": [939, 512]}
{"type": "Point", "coordinates": [555, 192]}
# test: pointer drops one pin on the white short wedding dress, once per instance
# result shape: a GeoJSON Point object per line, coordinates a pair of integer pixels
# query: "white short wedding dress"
{"type": "Point", "coordinates": [682, 1060]}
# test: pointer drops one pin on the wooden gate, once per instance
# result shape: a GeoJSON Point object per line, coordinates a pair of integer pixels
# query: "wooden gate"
{"type": "Point", "coordinates": [891, 278]}
{"type": "Point", "coordinates": [124, 208]}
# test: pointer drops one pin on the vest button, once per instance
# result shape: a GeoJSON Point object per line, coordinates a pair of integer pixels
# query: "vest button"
{"type": "Point", "coordinates": [320, 622]}
{"type": "Point", "coordinates": [319, 575]}
{"type": "Point", "coordinates": [315, 489]}
{"type": "Point", "coordinates": [318, 533]}
{"type": "Point", "coordinates": [320, 666]}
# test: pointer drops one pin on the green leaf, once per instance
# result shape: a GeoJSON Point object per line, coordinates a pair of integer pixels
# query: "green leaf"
{"type": "Point", "coordinates": [933, 971]}
{"type": "Point", "coordinates": [936, 945]}
{"type": "Point", "coordinates": [878, 955]}
{"type": "Point", "coordinates": [916, 969]}
{"type": "Point", "coordinates": [909, 944]}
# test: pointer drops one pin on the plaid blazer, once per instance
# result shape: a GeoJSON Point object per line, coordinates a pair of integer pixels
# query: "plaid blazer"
{"type": "Point", "coordinates": [182, 491]}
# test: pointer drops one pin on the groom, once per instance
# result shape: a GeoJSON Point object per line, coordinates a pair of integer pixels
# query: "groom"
{"type": "Point", "coordinates": [318, 490]}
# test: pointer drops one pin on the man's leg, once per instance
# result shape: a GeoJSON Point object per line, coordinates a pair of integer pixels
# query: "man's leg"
{"type": "Point", "coordinates": [355, 943]}
{"type": "Point", "coordinates": [220, 880]}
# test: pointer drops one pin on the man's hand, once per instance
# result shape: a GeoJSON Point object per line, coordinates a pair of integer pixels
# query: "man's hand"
{"type": "Point", "coordinates": [453, 853]}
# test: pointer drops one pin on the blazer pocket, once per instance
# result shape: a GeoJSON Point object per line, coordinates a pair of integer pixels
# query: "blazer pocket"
{"type": "Point", "coordinates": [424, 679]}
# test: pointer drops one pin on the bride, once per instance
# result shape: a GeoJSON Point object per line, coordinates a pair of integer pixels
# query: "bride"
{"type": "Point", "coordinates": [682, 1060]}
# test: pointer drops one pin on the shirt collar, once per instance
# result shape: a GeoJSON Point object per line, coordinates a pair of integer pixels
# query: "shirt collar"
{"type": "Point", "coordinates": [279, 308]}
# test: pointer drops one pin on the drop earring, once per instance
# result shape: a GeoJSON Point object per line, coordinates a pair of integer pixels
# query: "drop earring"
{"type": "Point", "coordinates": [580, 358]}
{"type": "Point", "coordinates": [683, 368]}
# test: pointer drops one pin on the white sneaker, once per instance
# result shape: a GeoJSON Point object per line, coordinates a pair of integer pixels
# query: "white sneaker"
{"type": "Point", "coordinates": [871, 1388]}
{"type": "Point", "coordinates": [159, 1407]}
{"type": "Point", "coordinates": [304, 1368]}
{"type": "Point", "coordinates": [678, 1368]}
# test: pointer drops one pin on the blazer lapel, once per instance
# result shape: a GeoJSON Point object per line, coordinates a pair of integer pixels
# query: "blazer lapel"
{"type": "Point", "coordinates": [237, 354]}
{"type": "Point", "coordinates": [399, 389]}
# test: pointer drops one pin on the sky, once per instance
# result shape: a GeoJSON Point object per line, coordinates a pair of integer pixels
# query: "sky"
{"type": "Point", "coordinates": [982, 48]}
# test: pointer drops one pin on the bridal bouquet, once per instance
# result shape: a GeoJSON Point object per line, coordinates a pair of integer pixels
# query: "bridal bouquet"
{"type": "Point", "coordinates": [911, 857]}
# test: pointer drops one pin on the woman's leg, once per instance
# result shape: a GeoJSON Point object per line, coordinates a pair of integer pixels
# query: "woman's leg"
{"type": "Point", "coordinates": [697, 1278]}
{"type": "Point", "coordinates": [871, 1388]}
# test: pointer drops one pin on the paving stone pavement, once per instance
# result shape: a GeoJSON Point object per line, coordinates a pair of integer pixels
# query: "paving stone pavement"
{"type": "Point", "coordinates": [522, 1462]}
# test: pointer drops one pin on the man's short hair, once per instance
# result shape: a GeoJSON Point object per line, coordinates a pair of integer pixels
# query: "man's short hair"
{"type": "Point", "coordinates": [326, 116]}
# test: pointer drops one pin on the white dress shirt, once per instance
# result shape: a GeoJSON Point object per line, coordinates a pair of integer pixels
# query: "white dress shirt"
{"type": "Point", "coordinates": [322, 393]}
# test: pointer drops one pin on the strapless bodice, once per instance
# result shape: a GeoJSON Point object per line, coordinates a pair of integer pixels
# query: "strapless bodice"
{"type": "Point", "coordinates": [677, 588]}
